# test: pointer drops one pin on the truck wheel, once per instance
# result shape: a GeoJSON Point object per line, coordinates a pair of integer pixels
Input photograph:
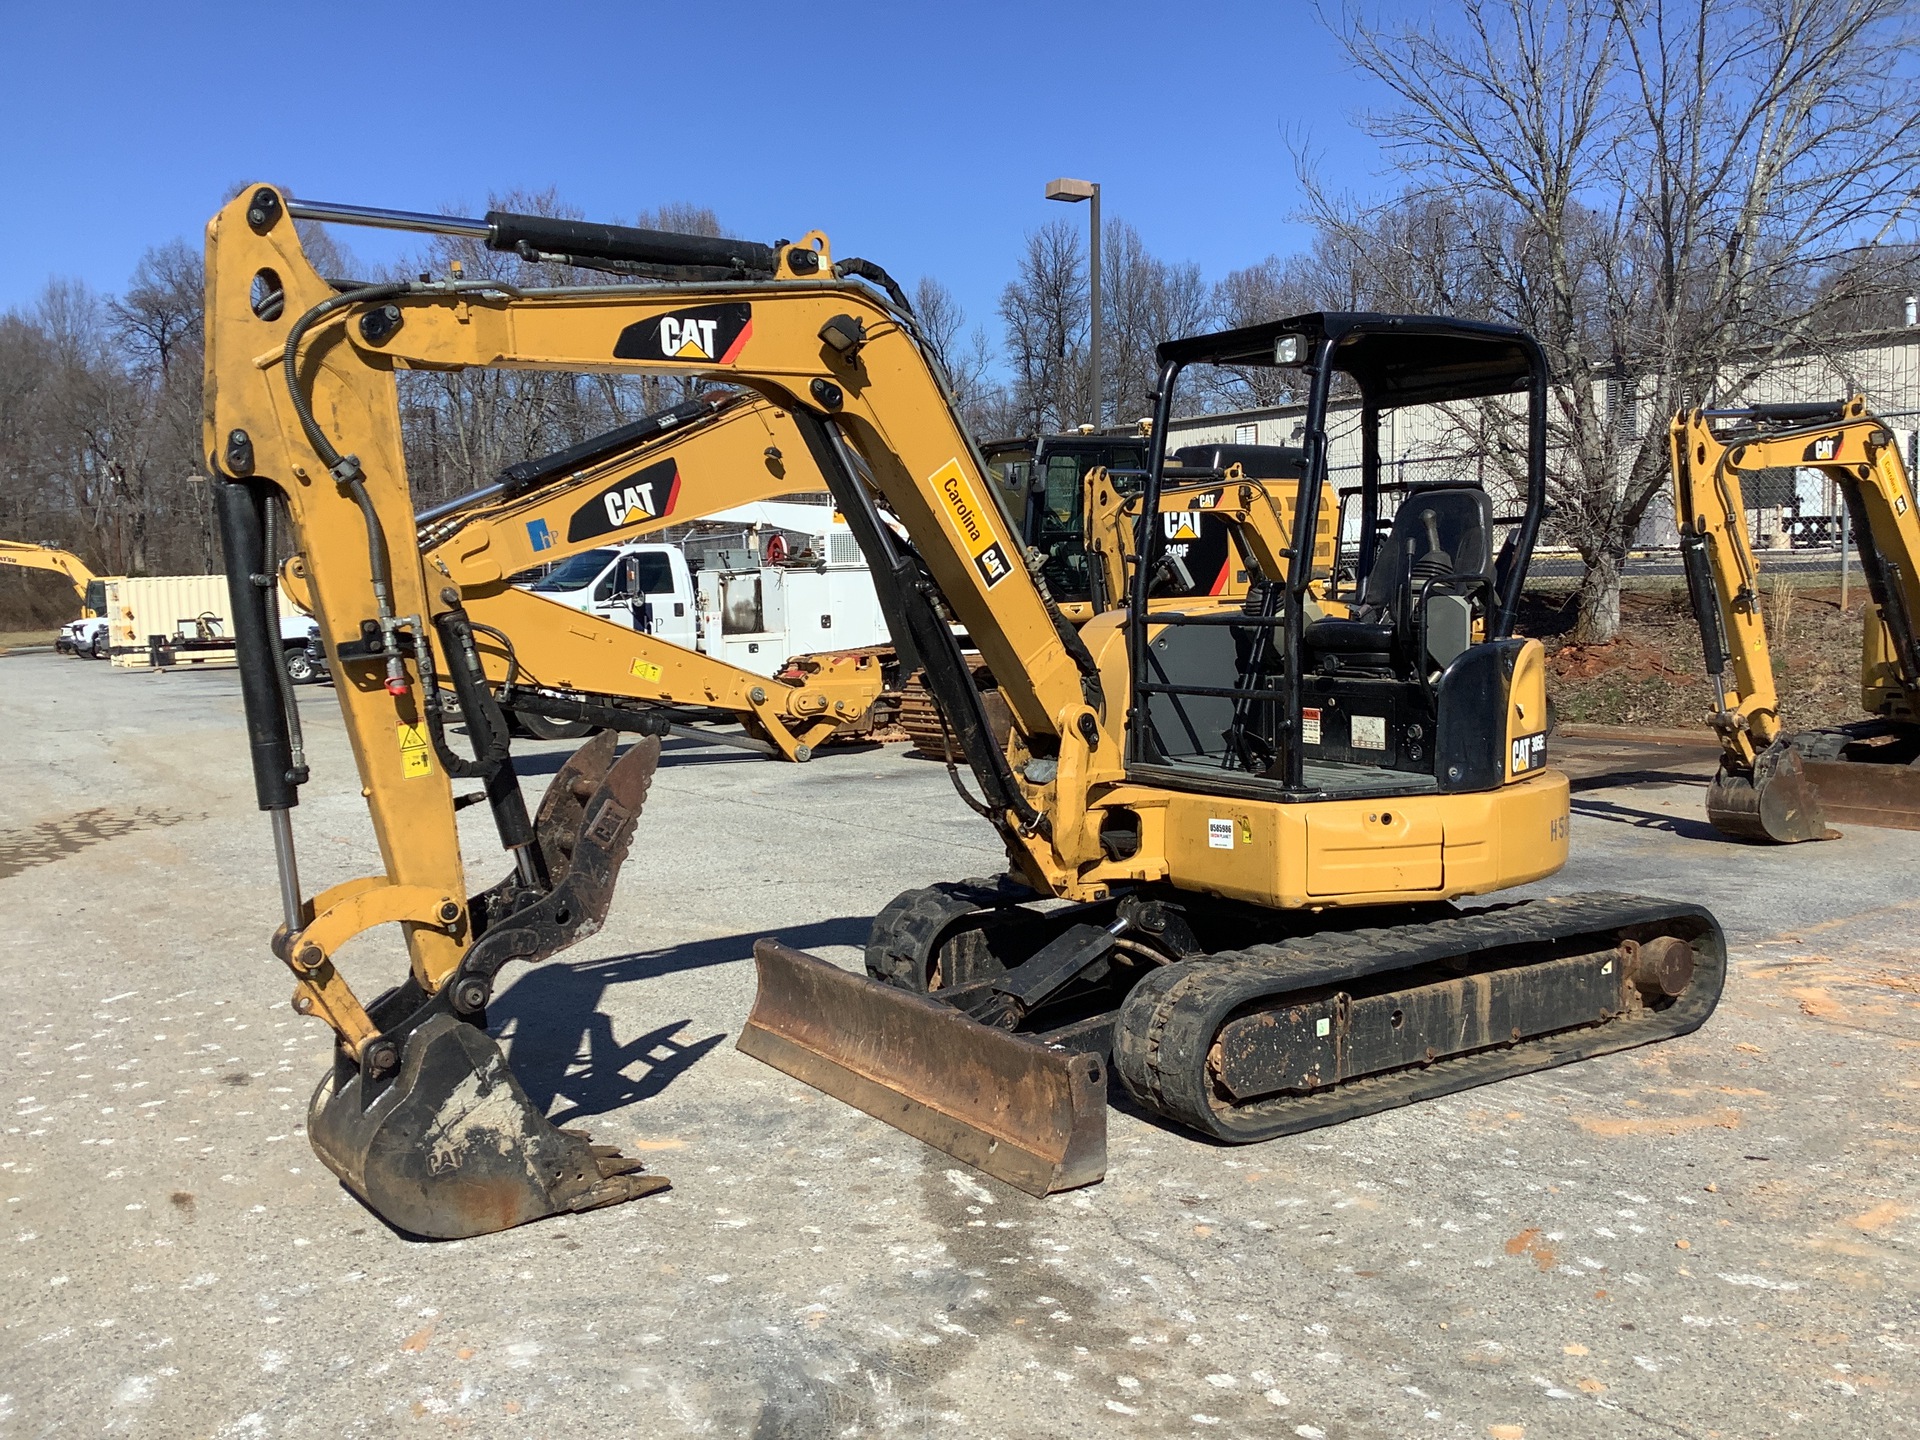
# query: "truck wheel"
{"type": "Point", "coordinates": [100, 645]}
{"type": "Point", "coordinates": [300, 668]}
{"type": "Point", "coordinates": [544, 727]}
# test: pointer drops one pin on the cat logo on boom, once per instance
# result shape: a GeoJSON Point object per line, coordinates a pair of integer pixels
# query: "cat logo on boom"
{"type": "Point", "coordinates": [714, 333]}
{"type": "Point", "coordinates": [647, 494]}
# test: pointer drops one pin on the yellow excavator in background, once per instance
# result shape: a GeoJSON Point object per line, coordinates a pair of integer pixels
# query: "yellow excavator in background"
{"type": "Point", "coordinates": [1257, 822]}
{"type": "Point", "coordinates": [1775, 783]}
{"type": "Point", "coordinates": [551, 662]}
{"type": "Point", "coordinates": [88, 588]}
{"type": "Point", "coordinates": [1256, 513]}
{"type": "Point", "coordinates": [1221, 523]}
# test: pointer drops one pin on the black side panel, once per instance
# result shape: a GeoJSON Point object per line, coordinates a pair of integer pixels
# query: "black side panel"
{"type": "Point", "coordinates": [242, 506]}
{"type": "Point", "coordinates": [1470, 749]}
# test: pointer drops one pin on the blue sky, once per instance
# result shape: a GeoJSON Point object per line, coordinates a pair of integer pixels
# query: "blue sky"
{"type": "Point", "coordinates": [919, 135]}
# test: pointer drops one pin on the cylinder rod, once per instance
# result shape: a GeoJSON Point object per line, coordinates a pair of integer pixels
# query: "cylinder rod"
{"type": "Point", "coordinates": [329, 212]}
{"type": "Point", "coordinates": [288, 864]}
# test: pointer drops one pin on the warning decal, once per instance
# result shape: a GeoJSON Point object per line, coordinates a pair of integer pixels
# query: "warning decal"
{"type": "Point", "coordinates": [646, 669]}
{"type": "Point", "coordinates": [970, 517]}
{"type": "Point", "coordinates": [416, 752]}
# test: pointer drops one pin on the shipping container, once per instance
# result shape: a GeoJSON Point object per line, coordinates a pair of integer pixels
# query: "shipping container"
{"type": "Point", "coordinates": [169, 620]}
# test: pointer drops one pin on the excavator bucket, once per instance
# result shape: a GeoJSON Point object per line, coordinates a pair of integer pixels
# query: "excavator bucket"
{"type": "Point", "coordinates": [431, 1129]}
{"type": "Point", "coordinates": [1775, 802]}
{"type": "Point", "coordinates": [1031, 1114]}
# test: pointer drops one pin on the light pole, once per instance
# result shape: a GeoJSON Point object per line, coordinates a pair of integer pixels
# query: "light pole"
{"type": "Point", "coordinates": [1072, 192]}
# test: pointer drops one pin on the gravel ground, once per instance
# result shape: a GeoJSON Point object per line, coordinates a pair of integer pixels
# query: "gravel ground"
{"type": "Point", "coordinates": [1708, 1237]}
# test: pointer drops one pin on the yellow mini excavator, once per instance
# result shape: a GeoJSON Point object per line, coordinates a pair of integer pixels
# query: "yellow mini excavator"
{"type": "Point", "coordinates": [553, 666]}
{"type": "Point", "coordinates": [87, 587]}
{"type": "Point", "coordinates": [1776, 784]}
{"type": "Point", "coordinates": [1257, 822]}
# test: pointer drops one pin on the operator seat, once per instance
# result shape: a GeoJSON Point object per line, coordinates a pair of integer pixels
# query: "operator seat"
{"type": "Point", "coordinates": [1440, 532]}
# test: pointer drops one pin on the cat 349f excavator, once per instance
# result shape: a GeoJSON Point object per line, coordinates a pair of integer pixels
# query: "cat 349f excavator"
{"type": "Point", "coordinates": [1776, 784]}
{"type": "Point", "coordinates": [710, 453]}
{"type": "Point", "coordinates": [1257, 823]}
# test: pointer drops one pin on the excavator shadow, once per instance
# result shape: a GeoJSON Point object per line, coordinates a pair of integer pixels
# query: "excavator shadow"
{"type": "Point", "coordinates": [1685, 828]}
{"type": "Point", "coordinates": [564, 1049]}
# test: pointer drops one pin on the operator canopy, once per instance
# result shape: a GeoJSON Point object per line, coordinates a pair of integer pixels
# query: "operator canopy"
{"type": "Point", "coordinates": [1394, 359]}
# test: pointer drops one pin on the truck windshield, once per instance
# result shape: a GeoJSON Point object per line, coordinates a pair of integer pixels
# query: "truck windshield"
{"type": "Point", "coordinates": [577, 573]}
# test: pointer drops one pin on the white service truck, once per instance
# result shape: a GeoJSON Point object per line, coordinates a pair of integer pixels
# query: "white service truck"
{"type": "Point", "coordinates": [751, 587]}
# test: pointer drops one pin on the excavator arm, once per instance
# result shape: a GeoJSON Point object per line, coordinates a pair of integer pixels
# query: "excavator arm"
{"type": "Point", "coordinates": [1259, 520]}
{"type": "Point", "coordinates": [302, 413]}
{"type": "Point", "coordinates": [715, 452]}
{"type": "Point", "coordinates": [24, 555]}
{"type": "Point", "coordinates": [1763, 790]}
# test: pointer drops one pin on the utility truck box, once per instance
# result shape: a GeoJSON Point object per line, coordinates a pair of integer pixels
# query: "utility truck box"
{"type": "Point", "coordinates": [752, 587]}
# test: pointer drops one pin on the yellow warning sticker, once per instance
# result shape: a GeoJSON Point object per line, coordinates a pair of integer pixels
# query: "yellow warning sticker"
{"type": "Point", "coordinates": [416, 753]}
{"type": "Point", "coordinates": [646, 670]}
{"type": "Point", "coordinates": [990, 557]}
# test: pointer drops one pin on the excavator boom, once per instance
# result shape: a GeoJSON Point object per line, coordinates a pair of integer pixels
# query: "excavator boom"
{"type": "Point", "coordinates": [716, 452]}
{"type": "Point", "coordinates": [24, 555]}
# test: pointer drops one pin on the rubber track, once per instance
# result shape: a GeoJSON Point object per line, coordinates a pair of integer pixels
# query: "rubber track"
{"type": "Point", "coordinates": [906, 933]}
{"type": "Point", "coordinates": [1167, 1024]}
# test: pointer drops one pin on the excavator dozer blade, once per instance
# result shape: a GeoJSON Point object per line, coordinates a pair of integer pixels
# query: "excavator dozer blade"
{"type": "Point", "coordinates": [1857, 792]}
{"type": "Point", "coordinates": [452, 1147]}
{"type": "Point", "coordinates": [1774, 803]}
{"type": "Point", "coordinates": [1031, 1114]}
{"type": "Point", "coordinates": [431, 1130]}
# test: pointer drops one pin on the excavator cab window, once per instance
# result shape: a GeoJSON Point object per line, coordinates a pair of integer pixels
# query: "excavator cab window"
{"type": "Point", "coordinates": [96, 601]}
{"type": "Point", "coordinates": [1406, 692]}
{"type": "Point", "coordinates": [1053, 509]}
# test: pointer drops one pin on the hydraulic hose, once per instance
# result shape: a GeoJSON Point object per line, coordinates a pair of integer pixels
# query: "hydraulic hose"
{"type": "Point", "coordinates": [345, 469]}
{"type": "Point", "coordinates": [269, 583]}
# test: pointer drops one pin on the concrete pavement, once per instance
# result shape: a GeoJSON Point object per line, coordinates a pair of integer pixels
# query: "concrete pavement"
{"type": "Point", "coordinates": [1709, 1237]}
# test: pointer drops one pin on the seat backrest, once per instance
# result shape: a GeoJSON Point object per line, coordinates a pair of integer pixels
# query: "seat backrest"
{"type": "Point", "coordinates": [1438, 530]}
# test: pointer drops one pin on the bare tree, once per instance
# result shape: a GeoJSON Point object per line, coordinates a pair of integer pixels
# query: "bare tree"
{"type": "Point", "coordinates": [1046, 311]}
{"type": "Point", "coordinates": [968, 357]}
{"type": "Point", "coordinates": [1143, 301]}
{"type": "Point", "coordinates": [163, 311]}
{"type": "Point", "coordinates": [1669, 199]}
{"type": "Point", "coordinates": [1045, 315]}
